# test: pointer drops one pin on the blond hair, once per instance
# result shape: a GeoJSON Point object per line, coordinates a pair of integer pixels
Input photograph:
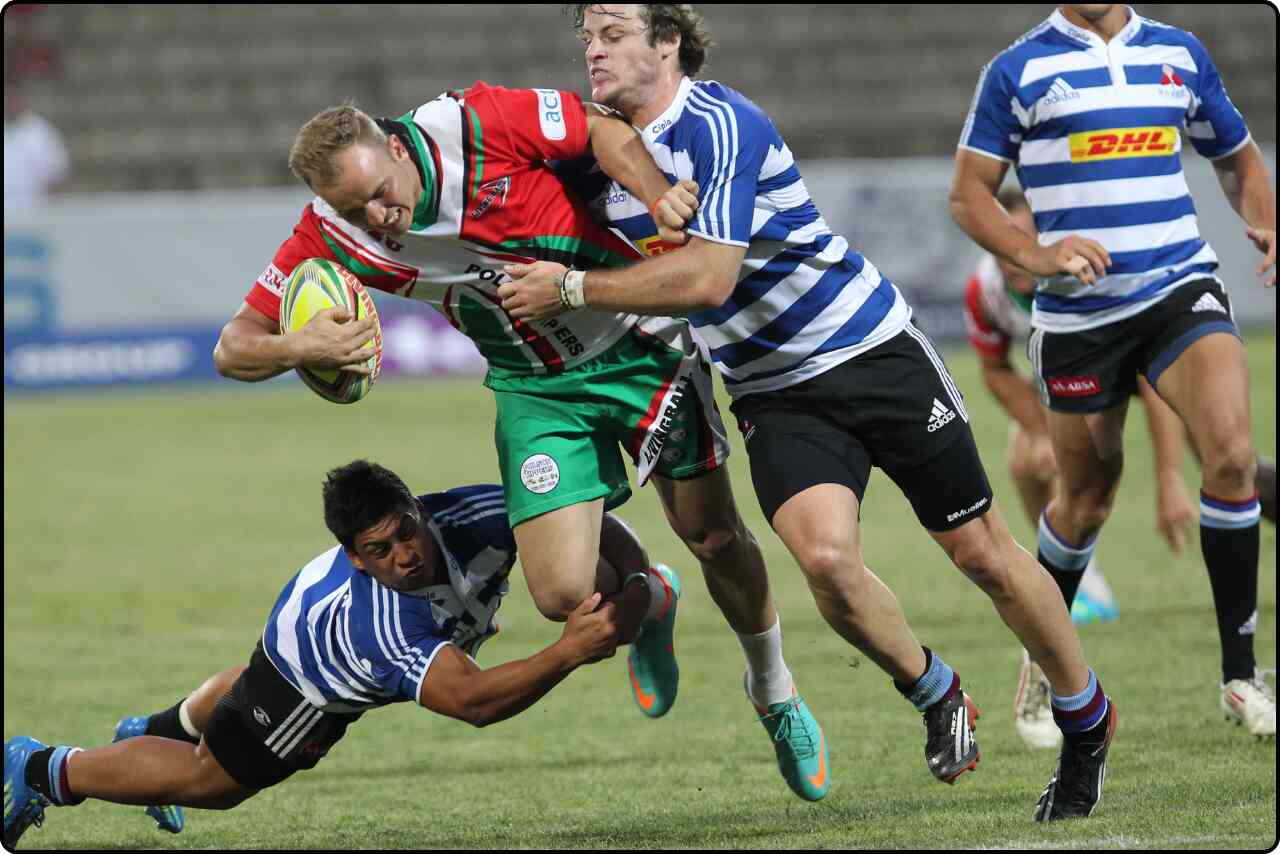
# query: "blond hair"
{"type": "Point", "coordinates": [324, 137]}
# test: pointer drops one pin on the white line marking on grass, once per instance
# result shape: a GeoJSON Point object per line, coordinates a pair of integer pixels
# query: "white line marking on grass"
{"type": "Point", "coordinates": [1121, 841]}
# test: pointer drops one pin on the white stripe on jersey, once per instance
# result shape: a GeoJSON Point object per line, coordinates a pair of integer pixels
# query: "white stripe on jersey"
{"type": "Point", "coordinates": [1133, 238]}
{"type": "Point", "coordinates": [1156, 188]}
{"type": "Point", "coordinates": [1059, 63]}
{"type": "Point", "coordinates": [286, 621]}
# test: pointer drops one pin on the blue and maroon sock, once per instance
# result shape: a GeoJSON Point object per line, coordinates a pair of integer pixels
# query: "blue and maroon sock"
{"type": "Point", "coordinates": [1064, 561]}
{"type": "Point", "coordinates": [46, 773]}
{"type": "Point", "coordinates": [1229, 542]}
{"type": "Point", "coordinates": [938, 683]}
{"type": "Point", "coordinates": [1082, 717]}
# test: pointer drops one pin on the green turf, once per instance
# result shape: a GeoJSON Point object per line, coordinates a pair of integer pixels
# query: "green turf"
{"type": "Point", "coordinates": [147, 535]}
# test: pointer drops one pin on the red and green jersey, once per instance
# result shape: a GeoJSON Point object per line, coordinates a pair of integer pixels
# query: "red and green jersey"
{"type": "Point", "coordinates": [489, 198]}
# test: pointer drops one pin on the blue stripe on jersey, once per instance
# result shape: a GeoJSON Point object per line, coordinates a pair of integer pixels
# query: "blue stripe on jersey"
{"type": "Point", "coordinates": [1129, 263]}
{"type": "Point", "coordinates": [1113, 216]}
{"type": "Point", "coordinates": [1055, 174]}
{"type": "Point", "coordinates": [781, 181]}
{"type": "Point", "coordinates": [759, 283]}
{"type": "Point", "coordinates": [801, 312]}
{"type": "Point", "coordinates": [1075, 305]}
{"type": "Point", "coordinates": [1105, 120]}
{"type": "Point", "coordinates": [1153, 75]}
{"type": "Point", "coordinates": [779, 226]}
{"type": "Point", "coordinates": [864, 321]}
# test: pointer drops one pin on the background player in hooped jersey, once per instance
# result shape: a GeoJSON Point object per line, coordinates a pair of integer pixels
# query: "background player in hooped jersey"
{"type": "Point", "coordinates": [997, 312]}
{"type": "Point", "coordinates": [430, 206]}
{"type": "Point", "coordinates": [396, 611]}
{"type": "Point", "coordinates": [1089, 107]}
{"type": "Point", "coordinates": [828, 378]}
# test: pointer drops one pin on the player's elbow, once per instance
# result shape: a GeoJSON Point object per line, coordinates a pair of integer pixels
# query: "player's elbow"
{"type": "Point", "coordinates": [712, 290]}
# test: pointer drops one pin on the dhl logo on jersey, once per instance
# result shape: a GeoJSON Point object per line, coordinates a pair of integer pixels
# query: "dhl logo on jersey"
{"type": "Point", "coordinates": [1122, 142]}
{"type": "Point", "coordinates": [652, 246]}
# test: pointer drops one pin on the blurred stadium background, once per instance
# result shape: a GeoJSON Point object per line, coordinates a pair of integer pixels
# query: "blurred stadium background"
{"type": "Point", "coordinates": [178, 121]}
{"type": "Point", "coordinates": [149, 526]}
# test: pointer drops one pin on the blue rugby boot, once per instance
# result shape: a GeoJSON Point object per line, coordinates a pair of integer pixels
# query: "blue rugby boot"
{"type": "Point", "coordinates": [23, 806]}
{"type": "Point", "coordinates": [798, 742]}
{"type": "Point", "coordinates": [167, 817]}
{"type": "Point", "coordinates": [651, 663]}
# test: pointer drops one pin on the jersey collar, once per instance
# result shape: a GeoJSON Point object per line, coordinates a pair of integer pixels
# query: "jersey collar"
{"type": "Point", "coordinates": [670, 114]}
{"type": "Point", "coordinates": [1060, 23]}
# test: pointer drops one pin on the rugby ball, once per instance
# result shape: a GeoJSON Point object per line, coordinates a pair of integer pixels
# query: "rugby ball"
{"type": "Point", "coordinates": [315, 285]}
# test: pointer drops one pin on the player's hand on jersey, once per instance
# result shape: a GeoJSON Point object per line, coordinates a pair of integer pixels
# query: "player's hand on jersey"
{"type": "Point", "coordinates": [333, 339]}
{"type": "Point", "coordinates": [534, 290]}
{"type": "Point", "coordinates": [1265, 240]}
{"type": "Point", "coordinates": [1175, 514]}
{"type": "Point", "coordinates": [1073, 255]}
{"type": "Point", "coordinates": [674, 210]}
{"type": "Point", "coordinates": [591, 632]}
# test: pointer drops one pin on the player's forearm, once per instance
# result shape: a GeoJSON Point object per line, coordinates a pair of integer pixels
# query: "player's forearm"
{"type": "Point", "coordinates": [1018, 397]}
{"type": "Point", "coordinates": [249, 353]}
{"type": "Point", "coordinates": [622, 155]}
{"type": "Point", "coordinates": [670, 284]}
{"type": "Point", "coordinates": [975, 209]}
{"type": "Point", "coordinates": [507, 690]}
{"type": "Point", "coordinates": [1247, 186]}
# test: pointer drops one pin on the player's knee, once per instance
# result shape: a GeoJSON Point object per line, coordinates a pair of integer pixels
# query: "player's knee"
{"type": "Point", "coordinates": [715, 544]}
{"type": "Point", "coordinates": [832, 571]}
{"type": "Point", "coordinates": [1230, 464]}
{"type": "Point", "coordinates": [557, 603]}
{"type": "Point", "coordinates": [1086, 511]}
{"type": "Point", "coordinates": [980, 557]}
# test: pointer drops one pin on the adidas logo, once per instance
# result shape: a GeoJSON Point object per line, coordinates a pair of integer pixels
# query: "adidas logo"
{"type": "Point", "coordinates": [940, 416]}
{"type": "Point", "coordinates": [1058, 92]}
{"type": "Point", "coordinates": [1250, 626]}
{"type": "Point", "coordinates": [1208, 302]}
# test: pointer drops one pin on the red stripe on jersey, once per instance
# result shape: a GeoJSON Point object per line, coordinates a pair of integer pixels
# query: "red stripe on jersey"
{"type": "Point", "coordinates": [354, 249]}
{"type": "Point", "coordinates": [983, 334]}
{"type": "Point", "coordinates": [542, 348]}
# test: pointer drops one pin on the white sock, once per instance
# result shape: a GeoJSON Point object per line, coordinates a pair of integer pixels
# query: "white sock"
{"type": "Point", "coordinates": [768, 679]}
{"type": "Point", "coordinates": [185, 720]}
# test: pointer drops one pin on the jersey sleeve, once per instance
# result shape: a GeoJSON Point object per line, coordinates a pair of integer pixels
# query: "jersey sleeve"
{"type": "Point", "coordinates": [408, 641]}
{"type": "Point", "coordinates": [528, 125]}
{"type": "Point", "coordinates": [1214, 125]}
{"type": "Point", "coordinates": [993, 127]}
{"type": "Point", "coordinates": [984, 335]}
{"type": "Point", "coordinates": [304, 243]}
{"type": "Point", "coordinates": [728, 148]}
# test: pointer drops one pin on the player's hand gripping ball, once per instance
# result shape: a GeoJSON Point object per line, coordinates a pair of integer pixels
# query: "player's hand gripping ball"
{"type": "Point", "coordinates": [318, 284]}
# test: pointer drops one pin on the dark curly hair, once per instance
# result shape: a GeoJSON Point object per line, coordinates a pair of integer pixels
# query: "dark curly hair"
{"type": "Point", "coordinates": [358, 496]}
{"type": "Point", "coordinates": [665, 21]}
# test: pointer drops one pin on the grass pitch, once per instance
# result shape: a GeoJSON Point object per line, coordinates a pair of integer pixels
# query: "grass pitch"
{"type": "Point", "coordinates": [147, 535]}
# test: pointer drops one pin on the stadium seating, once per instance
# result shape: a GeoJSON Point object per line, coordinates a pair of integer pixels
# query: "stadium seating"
{"type": "Point", "coordinates": [205, 96]}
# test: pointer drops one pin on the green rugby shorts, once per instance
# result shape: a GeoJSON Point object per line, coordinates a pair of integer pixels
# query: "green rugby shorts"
{"type": "Point", "coordinates": [559, 436]}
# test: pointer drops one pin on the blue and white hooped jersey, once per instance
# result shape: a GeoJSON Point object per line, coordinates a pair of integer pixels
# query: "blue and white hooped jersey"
{"type": "Point", "coordinates": [348, 643]}
{"type": "Point", "coordinates": [1095, 130]}
{"type": "Point", "coordinates": [805, 301]}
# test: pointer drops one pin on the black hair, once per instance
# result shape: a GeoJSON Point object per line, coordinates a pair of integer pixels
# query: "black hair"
{"type": "Point", "coordinates": [358, 496]}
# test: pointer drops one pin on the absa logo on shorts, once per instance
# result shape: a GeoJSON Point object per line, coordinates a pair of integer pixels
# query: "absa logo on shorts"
{"type": "Point", "coordinates": [539, 474]}
{"type": "Point", "coordinates": [1084, 386]}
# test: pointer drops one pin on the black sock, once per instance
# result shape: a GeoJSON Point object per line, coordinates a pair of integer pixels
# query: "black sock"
{"type": "Point", "coordinates": [38, 772]}
{"type": "Point", "coordinates": [168, 724]}
{"type": "Point", "coordinates": [1068, 580]}
{"type": "Point", "coordinates": [1231, 556]}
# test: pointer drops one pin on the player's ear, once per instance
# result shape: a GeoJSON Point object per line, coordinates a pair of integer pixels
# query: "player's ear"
{"type": "Point", "coordinates": [396, 147]}
{"type": "Point", "coordinates": [355, 560]}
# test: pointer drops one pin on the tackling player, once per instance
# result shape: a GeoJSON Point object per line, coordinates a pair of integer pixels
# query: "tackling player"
{"type": "Point", "coordinates": [1089, 107]}
{"type": "Point", "coordinates": [430, 206]}
{"type": "Point", "coordinates": [828, 377]}
{"type": "Point", "coordinates": [394, 612]}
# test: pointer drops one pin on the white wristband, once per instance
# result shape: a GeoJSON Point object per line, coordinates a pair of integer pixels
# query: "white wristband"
{"type": "Point", "coordinates": [573, 288]}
